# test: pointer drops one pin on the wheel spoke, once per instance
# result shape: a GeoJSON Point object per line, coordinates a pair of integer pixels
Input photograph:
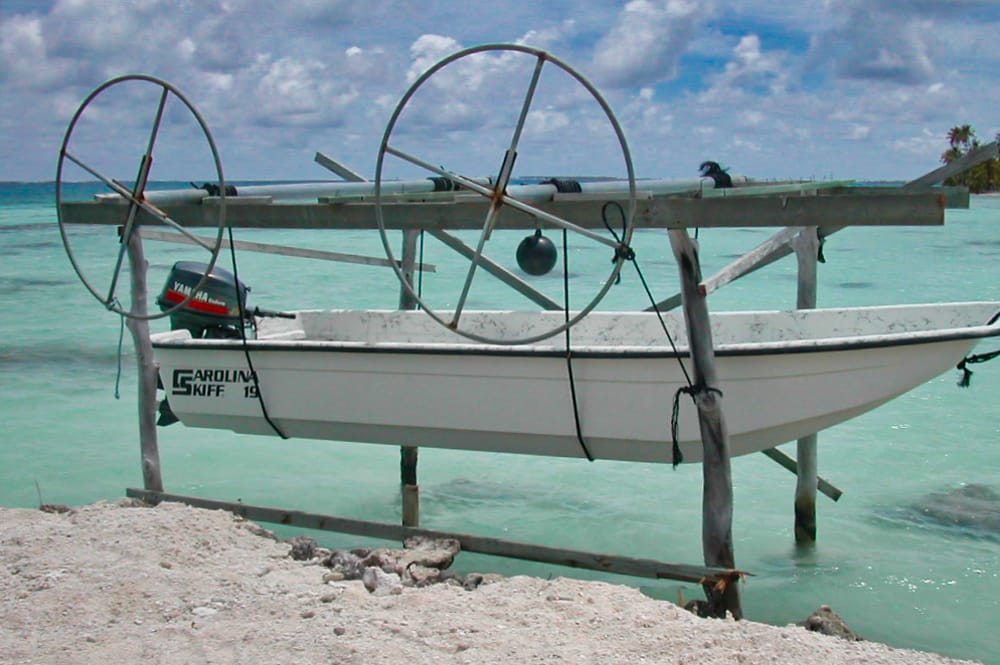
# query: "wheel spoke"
{"type": "Point", "coordinates": [474, 263]}
{"type": "Point", "coordinates": [134, 196]}
{"type": "Point", "coordinates": [557, 221]}
{"type": "Point", "coordinates": [498, 196]}
{"type": "Point", "coordinates": [145, 165]}
{"type": "Point", "coordinates": [508, 162]}
{"type": "Point", "coordinates": [114, 185]}
{"type": "Point", "coordinates": [467, 183]}
{"type": "Point", "coordinates": [165, 219]}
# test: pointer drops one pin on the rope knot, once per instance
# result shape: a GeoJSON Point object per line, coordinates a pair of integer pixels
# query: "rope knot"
{"type": "Point", "coordinates": [623, 251]}
{"type": "Point", "coordinates": [692, 389]}
{"type": "Point", "coordinates": [972, 360]}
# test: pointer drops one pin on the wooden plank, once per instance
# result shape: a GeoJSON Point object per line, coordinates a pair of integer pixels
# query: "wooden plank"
{"type": "Point", "coordinates": [770, 189]}
{"type": "Point", "coordinates": [974, 157]}
{"type": "Point", "coordinates": [284, 250]}
{"type": "Point", "coordinates": [343, 171]}
{"type": "Point", "coordinates": [955, 198]}
{"type": "Point", "coordinates": [841, 209]}
{"type": "Point", "coordinates": [775, 247]}
{"type": "Point", "coordinates": [790, 464]}
{"type": "Point", "coordinates": [498, 271]}
{"type": "Point", "coordinates": [608, 563]}
{"type": "Point", "coordinates": [895, 208]}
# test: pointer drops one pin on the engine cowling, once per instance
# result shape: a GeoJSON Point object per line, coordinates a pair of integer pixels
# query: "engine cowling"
{"type": "Point", "coordinates": [215, 309]}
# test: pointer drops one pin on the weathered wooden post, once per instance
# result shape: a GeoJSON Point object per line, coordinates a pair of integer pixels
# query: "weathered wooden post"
{"type": "Point", "coordinates": [717, 482]}
{"type": "Point", "coordinates": [408, 454]}
{"type": "Point", "coordinates": [806, 246]}
{"type": "Point", "coordinates": [146, 367]}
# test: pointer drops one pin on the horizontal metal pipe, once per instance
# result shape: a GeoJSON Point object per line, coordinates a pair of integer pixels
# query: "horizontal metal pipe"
{"type": "Point", "coordinates": [315, 190]}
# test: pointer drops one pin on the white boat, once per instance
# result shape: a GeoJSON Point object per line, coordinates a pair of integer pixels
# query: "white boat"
{"type": "Point", "coordinates": [397, 377]}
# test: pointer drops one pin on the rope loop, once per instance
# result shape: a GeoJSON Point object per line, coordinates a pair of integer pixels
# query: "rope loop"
{"type": "Point", "coordinates": [692, 390]}
{"type": "Point", "coordinates": [972, 360]}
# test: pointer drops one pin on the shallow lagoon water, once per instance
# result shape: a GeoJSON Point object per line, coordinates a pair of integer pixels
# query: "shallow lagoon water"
{"type": "Point", "coordinates": [905, 580]}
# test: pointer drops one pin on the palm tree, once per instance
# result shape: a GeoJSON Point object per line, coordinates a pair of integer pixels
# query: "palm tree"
{"type": "Point", "coordinates": [980, 178]}
{"type": "Point", "coordinates": [961, 136]}
{"type": "Point", "coordinates": [951, 154]}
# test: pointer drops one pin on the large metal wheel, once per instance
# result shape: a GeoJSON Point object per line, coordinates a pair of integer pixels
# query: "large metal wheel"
{"type": "Point", "coordinates": [498, 196]}
{"type": "Point", "coordinates": [140, 211]}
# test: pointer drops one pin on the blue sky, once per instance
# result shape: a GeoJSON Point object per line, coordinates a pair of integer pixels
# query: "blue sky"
{"type": "Point", "coordinates": [862, 89]}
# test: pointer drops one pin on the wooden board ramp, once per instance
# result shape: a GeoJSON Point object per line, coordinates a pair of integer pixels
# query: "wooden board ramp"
{"type": "Point", "coordinates": [607, 563]}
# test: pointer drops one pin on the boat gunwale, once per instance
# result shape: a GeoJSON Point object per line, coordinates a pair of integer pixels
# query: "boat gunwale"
{"type": "Point", "coordinates": [599, 351]}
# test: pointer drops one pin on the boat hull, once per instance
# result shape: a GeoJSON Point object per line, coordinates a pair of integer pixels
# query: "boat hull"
{"type": "Point", "coordinates": [519, 400]}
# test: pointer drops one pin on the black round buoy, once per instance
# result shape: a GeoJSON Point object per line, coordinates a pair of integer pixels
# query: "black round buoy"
{"type": "Point", "coordinates": [536, 254]}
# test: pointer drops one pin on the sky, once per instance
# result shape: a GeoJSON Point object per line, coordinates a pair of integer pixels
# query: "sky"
{"type": "Point", "coordinates": [862, 89]}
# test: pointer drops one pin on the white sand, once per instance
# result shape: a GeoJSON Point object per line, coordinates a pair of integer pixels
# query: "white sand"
{"type": "Point", "coordinates": [108, 584]}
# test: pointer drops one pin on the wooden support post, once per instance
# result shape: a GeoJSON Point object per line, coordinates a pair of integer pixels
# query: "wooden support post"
{"type": "Point", "coordinates": [408, 454]}
{"type": "Point", "coordinates": [717, 482]}
{"type": "Point", "coordinates": [151, 478]}
{"type": "Point", "coordinates": [806, 245]}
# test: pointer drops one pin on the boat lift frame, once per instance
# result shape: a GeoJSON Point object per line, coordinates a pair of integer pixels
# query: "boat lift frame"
{"type": "Point", "coordinates": [808, 211]}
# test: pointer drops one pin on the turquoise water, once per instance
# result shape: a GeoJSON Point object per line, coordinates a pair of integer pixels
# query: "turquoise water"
{"type": "Point", "coordinates": [895, 575]}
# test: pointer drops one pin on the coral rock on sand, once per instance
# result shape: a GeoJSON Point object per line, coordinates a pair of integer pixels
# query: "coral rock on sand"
{"type": "Point", "coordinates": [177, 585]}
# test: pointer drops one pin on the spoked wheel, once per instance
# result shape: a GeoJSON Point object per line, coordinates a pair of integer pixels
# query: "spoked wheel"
{"type": "Point", "coordinates": [138, 209]}
{"type": "Point", "coordinates": [497, 193]}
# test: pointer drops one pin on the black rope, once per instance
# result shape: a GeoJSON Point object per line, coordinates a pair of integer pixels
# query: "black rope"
{"type": "Point", "coordinates": [564, 185]}
{"type": "Point", "coordinates": [420, 273]}
{"type": "Point", "coordinates": [214, 190]}
{"type": "Point", "coordinates": [121, 340]}
{"type": "Point", "coordinates": [243, 338]}
{"type": "Point", "coordinates": [626, 252]}
{"type": "Point", "coordinates": [675, 413]}
{"type": "Point", "coordinates": [972, 360]}
{"type": "Point", "coordinates": [629, 255]}
{"type": "Point", "coordinates": [569, 352]}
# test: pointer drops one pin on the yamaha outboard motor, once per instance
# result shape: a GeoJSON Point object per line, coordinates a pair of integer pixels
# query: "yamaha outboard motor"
{"type": "Point", "coordinates": [214, 311]}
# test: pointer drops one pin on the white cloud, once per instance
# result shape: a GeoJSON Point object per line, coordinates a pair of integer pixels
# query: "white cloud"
{"type": "Point", "coordinates": [752, 70]}
{"type": "Point", "coordinates": [879, 41]}
{"type": "Point", "coordinates": [761, 86]}
{"type": "Point", "coordinates": [647, 42]}
{"type": "Point", "coordinates": [23, 55]}
{"type": "Point", "coordinates": [426, 51]}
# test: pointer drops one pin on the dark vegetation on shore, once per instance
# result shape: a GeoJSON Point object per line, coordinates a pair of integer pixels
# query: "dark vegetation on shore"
{"type": "Point", "coordinates": [984, 177]}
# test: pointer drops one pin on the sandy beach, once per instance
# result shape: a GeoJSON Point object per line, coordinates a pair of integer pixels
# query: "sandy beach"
{"type": "Point", "coordinates": [118, 583]}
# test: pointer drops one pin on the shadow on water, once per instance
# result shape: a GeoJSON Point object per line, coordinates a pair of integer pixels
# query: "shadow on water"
{"type": "Point", "coordinates": [10, 285]}
{"type": "Point", "coordinates": [16, 248]}
{"type": "Point", "coordinates": [856, 285]}
{"type": "Point", "coordinates": [463, 493]}
{"type": "Point", "coordinates": [22, 357]}
{"type": "Point", "coordinates": [27, 226]}
{"type": "Point", "coordinates": [971, 510]}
